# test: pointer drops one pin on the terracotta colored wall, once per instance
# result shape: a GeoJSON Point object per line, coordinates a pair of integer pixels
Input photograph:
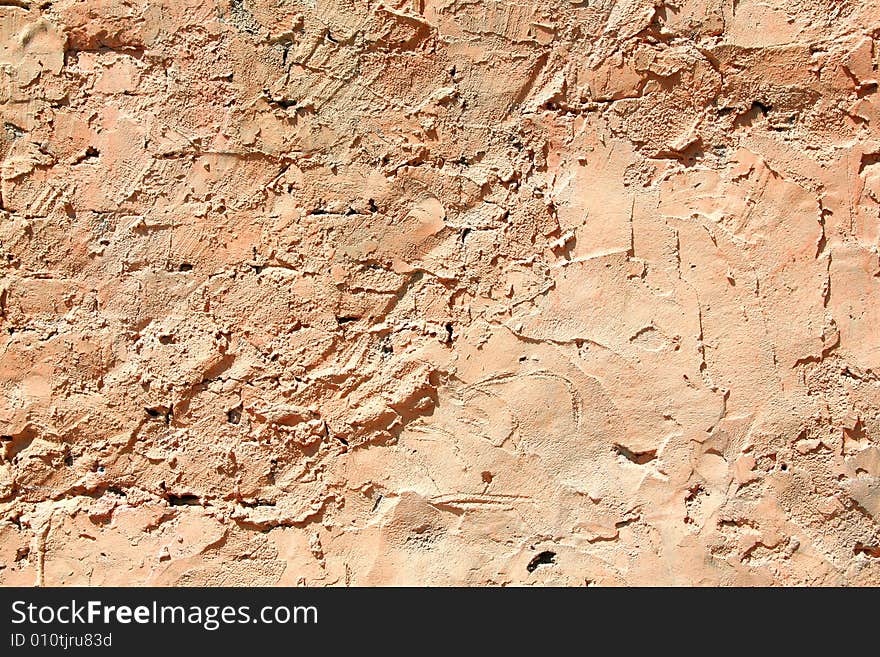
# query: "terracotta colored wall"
{"type": "Point", "coordinates": [440, 292]}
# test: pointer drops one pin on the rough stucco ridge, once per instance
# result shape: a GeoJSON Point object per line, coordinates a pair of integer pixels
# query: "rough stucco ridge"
{"type": "Point", "coordinates": [439, 292]}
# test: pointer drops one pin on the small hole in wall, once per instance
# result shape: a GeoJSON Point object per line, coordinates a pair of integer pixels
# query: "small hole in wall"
{"type": "Point", "coordinates": [161, 412]}
{"type": "Point", "coordinates": [185, 499]}
{"type": "Point", "coordinates": [868, 550]}
{"type": "Point", "coordinates": [184, 266]}
{"type": "Point", "coordinates": [487, 476]}
{"type": "Point", "coordinates": [761, 107]}
{"type": "Point", "coordinates": [783, 467]}
{"type": "Point", "coordinates": [233, 415]}
{"type": "Point", "coordinates": [545, 558]}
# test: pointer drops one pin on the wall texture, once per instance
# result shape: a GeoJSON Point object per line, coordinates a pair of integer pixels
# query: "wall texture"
{"type": "Point", "coordinates": [439, 292]}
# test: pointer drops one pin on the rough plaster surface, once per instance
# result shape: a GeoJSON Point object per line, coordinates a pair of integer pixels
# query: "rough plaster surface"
{"type": "Point", "coordinates": [439, 292]}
